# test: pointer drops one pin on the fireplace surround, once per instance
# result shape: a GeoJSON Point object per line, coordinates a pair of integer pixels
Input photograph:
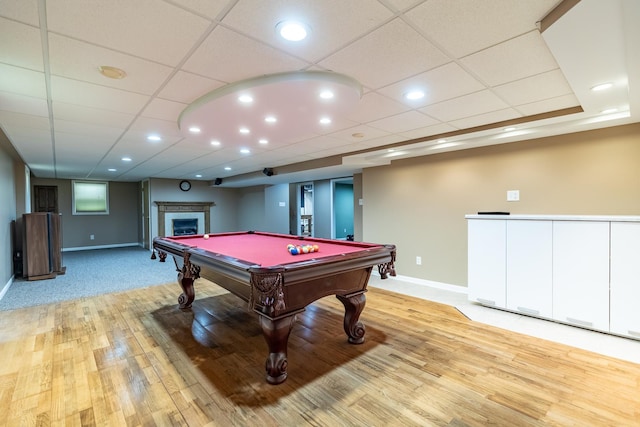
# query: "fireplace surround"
{"type": "Point", "coordinates": [196, 208]}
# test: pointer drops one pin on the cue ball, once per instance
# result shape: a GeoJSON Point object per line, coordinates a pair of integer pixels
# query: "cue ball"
{"type": "Point", "coordinates": [206, 236]}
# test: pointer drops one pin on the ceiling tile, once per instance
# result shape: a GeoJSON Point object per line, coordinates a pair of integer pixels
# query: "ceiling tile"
{"type": "Point", "coordinates": [163, 110]}
{"type": "Point", "coordinates": [78, 113]}
{"type": "Point", "coordinates": [461, 27]}
{"type": "Point", "coordinates": [247, 59]}
{"type": "Point", "coordinates": [445, 82]}
{"type": "Point", "coordinates": [81, 61]}
{"type": "Point", "coordinates": [21, 81]}
{"type": "Point", "coordinates": [333, 23]}
{"type": "Point", "coordinates": [373, 106]}
{"type": "Point", "coordinates": [23, 104]}
{"type": "Point", "coordinates": [550, 104]}
{"type": "Point", "coordinates": [514, 59]}
{"type": "Point", "coordinates": [487, 118]}
{"type": "Point", "coordinates": [150, 29]}
{"type": "Point", "coordinates": [95, 96]}
{"type": "Point", "coordinates": [404, 122]}
{"type": "Point", "coordinates": [377, 60]}
{"type": "Point", "coordinates": [187, 87]}
{"type": "Point", "coordinates": [533, 89]}
{"type": "Point", "coordinates": [464, 106]}
{"type": "Point", "coordinates": [20, 45]}
{"type": "Point", "coordinates": [23, 11]}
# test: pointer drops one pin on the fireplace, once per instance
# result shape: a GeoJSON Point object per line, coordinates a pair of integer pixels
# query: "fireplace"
{"type": "Point", "coordinates": [169, 212]}
{"type": "Point", "coordinates": [184, 226]}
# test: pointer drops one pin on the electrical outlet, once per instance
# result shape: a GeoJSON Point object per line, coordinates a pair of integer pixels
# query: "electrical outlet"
{"type": "Point", "coordinates": [513, 195]}
{"type": "Point", "coordinates": [418, 260]}
{"type": "Point", "coordinates": [91, 237]}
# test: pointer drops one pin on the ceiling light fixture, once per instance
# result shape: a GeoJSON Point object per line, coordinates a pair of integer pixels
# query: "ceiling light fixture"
{"type": "Point", "coordinates": [112, 170]}
{"type": "Point", "coordinates": [194, 129]}
{"type": "Point", "coordinates": [414, 95]}
{"type": "Point", "coordinates": [263, 141]}
{"type": "Point", "coordinates": [126, 159]}
{"type": "Point", "coordinates": [602, 86]}
{"type": "Point", "coordinates": [326, 94]}
{"type": "Point", "coordinates": [245, 99]}
{"type": "Point", "coordinates": [154, 138]}
{"type": "Point", "coordinates": [244, 131]}
{"type": "Point", "coordinates": [325, 120]}
{"type": "Point", "coordinates": [198, 176]}
{"type": "Point", "coordinates": [215, 142]}
{"type": "Point", "coordinates": [270, 119]}
{"type": "Point", "coordinates": [245, 151]}
{"type": "Point", "coordinates": [227, 168]}
{"type": "Point", "coordinates": [293, 31]}
{"type": "Point", "coordinates": [112, 72]}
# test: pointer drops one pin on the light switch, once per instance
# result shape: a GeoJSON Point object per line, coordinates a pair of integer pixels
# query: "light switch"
{"type": "Point", "coordinates": [513, 195]}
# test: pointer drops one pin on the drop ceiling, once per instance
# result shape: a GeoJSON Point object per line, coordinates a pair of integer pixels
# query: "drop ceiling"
{"type": "Point", "coordinates": [484, 66]}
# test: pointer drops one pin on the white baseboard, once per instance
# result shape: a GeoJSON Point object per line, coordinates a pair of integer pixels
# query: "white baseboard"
{"type": "Point", "coordinates": [6, 287]}
{"type": "Point", "coordinates": [430, 283]}
{"type": "Point", "coordinates": [88, 248]}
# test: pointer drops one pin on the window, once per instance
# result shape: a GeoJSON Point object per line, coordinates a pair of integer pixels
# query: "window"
{"type": "Point", "coordinates": [90, 198]}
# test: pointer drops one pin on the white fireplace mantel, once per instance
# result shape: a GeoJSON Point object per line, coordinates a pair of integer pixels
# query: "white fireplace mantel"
{"type": "Point", "coordinates": [181, 208]}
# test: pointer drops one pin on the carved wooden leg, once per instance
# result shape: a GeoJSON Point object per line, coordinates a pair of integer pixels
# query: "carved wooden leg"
{"type": "Point", "coordinates": [276, 333]}
{"type": "Point", "coordinates": [188, 294]}
{"type": "Point", "coordinates": [353, 306]}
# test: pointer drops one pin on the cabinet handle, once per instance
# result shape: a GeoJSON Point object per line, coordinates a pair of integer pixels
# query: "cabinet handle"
{"type": "Point", "coordinates": [580, 322]}
{"type": "Point", "coordinates": [634, 333]}
{"type": "Point", "coordinates": [530, 311]}
{"type": "Point", "coordinates": [485, 301]}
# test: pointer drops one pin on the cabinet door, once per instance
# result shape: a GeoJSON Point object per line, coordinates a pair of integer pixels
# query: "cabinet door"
{"type": "Point", "coordinates": [581, 273]}
{"type": "Point", "coordinates": [487, 261]}
{"type": "Point", "coordinates": [625, 278]}
{"type": "Point", "coordinates": [529, 267]}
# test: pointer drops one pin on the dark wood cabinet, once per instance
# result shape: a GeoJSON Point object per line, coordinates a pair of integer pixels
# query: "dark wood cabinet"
{"type": "Point", "coordinates": [41, 245]}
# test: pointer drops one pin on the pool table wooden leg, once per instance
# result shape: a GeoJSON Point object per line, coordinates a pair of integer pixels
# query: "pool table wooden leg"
{"type": "Point", "coordinates": [276, 333]}
{"type": "Point", "coordinates": [353, 306]}
{"type": "Point", "coordinates": [188, 294]}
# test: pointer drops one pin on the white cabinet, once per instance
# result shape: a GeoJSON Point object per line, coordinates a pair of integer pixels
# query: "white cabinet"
{"type": "Point", "coordinates": [579, 270]}
{"type": "Point", "coordinates": [487, 262]}
{"type": "Point", "coordinates": [625, 278]}
{"type": "Point", "coordinates": [581, 273]}
{"type": "Point", "coordinates": [529, 267]}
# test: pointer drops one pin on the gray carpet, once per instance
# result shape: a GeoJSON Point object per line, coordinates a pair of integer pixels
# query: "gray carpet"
{"type": "Point", "coordinates": [91, 273]}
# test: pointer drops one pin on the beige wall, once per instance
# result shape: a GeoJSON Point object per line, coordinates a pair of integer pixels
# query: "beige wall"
{"type": "Point", "coordinates": [419, 204]}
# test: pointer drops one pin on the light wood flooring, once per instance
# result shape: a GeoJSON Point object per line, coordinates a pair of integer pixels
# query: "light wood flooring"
{"type": "Point", "coordinates": [133, 359]}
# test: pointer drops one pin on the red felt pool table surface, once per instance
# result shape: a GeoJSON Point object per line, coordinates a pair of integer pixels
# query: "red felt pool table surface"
{"type": "Point", "coordinates": [268, 249]}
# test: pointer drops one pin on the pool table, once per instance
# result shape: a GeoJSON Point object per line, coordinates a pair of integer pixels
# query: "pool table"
{"type": "Point", "coordinates": [258, 268]}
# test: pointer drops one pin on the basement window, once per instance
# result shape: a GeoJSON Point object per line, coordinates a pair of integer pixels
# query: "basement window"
{"type": "Point", "coordinates": [90, 198]}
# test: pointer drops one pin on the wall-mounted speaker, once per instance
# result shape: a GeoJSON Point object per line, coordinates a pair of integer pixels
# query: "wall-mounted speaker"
{"type": "Point", "coordinates": [218, 181]}
{"type": "Point", "coordinates": [267, 171]}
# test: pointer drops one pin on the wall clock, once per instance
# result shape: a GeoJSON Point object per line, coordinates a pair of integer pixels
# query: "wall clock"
{"type": "Point", "coordinates": [185, 185]}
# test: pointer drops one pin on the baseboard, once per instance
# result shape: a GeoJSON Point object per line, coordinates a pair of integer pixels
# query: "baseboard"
{"type": "Point", "coordinates": [430, 283]}
{"type": "Point", "coordinates": [88, 248]}
{"type": "Point", "coordinates": [6, 287]}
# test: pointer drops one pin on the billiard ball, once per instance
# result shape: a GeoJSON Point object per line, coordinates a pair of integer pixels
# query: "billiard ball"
{"type": "Point", "coordinates": [206, 236]}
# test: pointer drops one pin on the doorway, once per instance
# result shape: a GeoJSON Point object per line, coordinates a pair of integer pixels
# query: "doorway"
{"type": "Point", "coordinates": [342, 211]}
{"type": "Point", "coordinates": [305, 209]}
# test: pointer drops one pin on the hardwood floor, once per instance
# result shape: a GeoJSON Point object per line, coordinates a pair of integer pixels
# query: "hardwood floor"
{"type": "Point", "coordinates": [135, 359]}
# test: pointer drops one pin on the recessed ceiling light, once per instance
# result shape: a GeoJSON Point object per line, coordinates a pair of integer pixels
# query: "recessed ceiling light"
{"type": "Point", "coordinates": [194, 129]}
{"type": "Point", "coordinates": [244, 131]}
{"type": "Point", "coordinates": [602, 86]}
{"type": "Point", "coordinates": [126, 159]}
{"type": "Point", "coordinates": [263, 141]}
{"type": "Point", "coordinates": [227, 168]}
{"type": "Point", "coordinates": [245, 99]}
{"type": "Point", "coordinates": [326, 94]}
{"type": "Point", "coordinates": [198, 176]}
{"type": "Point", "coordinates": [215, 142]}
{"type": "Point", "coordinates": [293, 31]}
{"type": "Point", "coordinates": [154, 138]}
{"type": "Point", "coordinates": [270, 119]}
{"type": "Point", "coordinates": [245, 151]}
{"type": "Point", "coordinates": [325, 120]}
{"type": "Point", "coordinates": [112, 170]}
{"type": "Point", "coordinates": [414, 94]}
{"type": "Point", "coordinates": [112, 72]}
